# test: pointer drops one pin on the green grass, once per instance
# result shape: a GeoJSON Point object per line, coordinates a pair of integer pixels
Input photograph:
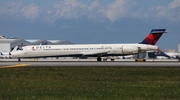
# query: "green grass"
{"type": "Point", "coordinates": [90, 83]}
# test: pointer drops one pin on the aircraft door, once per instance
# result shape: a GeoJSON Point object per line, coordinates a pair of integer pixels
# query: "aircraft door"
{"type": "Point", "coordinates": [26, 50]}
{"type": "Point", "coordinates": [119, 49]}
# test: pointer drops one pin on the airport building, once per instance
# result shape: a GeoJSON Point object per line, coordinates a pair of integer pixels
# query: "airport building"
{"type": "Point", "coordinates": [170, 50]}
{"type": "Point", "coordinates": [8, 44]}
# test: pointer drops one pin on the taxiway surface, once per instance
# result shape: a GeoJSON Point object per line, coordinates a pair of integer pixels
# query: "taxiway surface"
{"type": "Point", "coordinates": [10, 64]}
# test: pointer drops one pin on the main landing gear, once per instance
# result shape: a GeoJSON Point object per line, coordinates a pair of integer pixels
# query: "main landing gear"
{"type": "Point", "coordinates": [140, 60]}
{"type": "Point", "coordinates": [19, 59]}
{"type": "Point", "coordinates": [99, 59]}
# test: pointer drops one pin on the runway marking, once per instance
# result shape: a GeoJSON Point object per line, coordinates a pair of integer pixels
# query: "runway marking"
{"type": "Point", "coordinates": [13, 66]}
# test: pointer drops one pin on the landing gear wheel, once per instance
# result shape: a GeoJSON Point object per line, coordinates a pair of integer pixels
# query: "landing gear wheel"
{"type": "Point", "coordinates": [19, 59]}
{"type": "Point", "coordinates": [112, 59]}
{"type": "Point", "coordinates": [140, 60]}
{"type": "Point", "coordinates": [99, 59]}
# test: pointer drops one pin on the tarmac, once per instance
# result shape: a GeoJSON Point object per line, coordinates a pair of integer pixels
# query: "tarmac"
{"type": "Point", "coordinates": [37, 63]}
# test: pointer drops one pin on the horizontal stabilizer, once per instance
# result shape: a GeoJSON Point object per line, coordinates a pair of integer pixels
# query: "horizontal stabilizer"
{"type": "Point", "coordinates": [158, 31]}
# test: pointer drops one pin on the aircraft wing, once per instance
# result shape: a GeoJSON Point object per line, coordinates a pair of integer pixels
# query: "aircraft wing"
{"type": "Point", "coordinates": [95, 53]}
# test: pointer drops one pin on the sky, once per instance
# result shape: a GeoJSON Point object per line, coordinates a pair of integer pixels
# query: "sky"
{"type": "Point", "coordinates": [91, 21]}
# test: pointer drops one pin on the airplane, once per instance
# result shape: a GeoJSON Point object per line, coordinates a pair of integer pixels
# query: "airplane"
{"type": "Point", "coordinates": [1, 55]}
{"type": "Point", "coordinates": [169, 55]}
{"type": "Point", "coordinates": [90, 50]}
{"type": "Point", "coordinates": [7, 54]}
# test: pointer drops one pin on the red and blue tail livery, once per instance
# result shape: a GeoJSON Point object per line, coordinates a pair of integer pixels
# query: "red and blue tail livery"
{"type": "Point", "coordinates": [153, 36]}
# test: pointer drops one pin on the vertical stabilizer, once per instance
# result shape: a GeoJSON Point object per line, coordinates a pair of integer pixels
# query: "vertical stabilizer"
{"type": "Point", "coordinates": [153, 36]}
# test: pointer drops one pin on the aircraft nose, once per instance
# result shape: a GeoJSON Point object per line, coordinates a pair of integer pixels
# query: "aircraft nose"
{"type": "Point", "coordinates": [14, 54]}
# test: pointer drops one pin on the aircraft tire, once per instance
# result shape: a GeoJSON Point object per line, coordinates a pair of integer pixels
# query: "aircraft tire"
{"type": "Point", "coordinates": [112, 59]}
{"type": "Point", "coordinates": [99, 59]}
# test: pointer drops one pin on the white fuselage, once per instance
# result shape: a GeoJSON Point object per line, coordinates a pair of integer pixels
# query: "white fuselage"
{"type": "Point", "coordinates": [97, 50]}
{"type": "Point", "coordinates": [173, 54]}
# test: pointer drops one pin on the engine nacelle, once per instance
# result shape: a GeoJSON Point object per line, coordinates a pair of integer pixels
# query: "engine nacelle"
{"type": "Point", "coordinates": [130, 49]}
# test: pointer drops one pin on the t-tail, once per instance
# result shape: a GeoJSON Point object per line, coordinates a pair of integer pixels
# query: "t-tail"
{"type": "Point", "coordinates": [153, 36]}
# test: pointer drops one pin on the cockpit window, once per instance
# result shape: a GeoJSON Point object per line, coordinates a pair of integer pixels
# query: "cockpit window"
{"type": "Point", "coordinates": [19, 48]}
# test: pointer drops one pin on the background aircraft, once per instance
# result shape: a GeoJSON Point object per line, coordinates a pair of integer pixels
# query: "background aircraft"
{"type": "Point", "coordinates": [5, 55]}
{"type": "Point", "coordinates": [169, 55]}
{"type": "Point", "coordinates": [8, 55]}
